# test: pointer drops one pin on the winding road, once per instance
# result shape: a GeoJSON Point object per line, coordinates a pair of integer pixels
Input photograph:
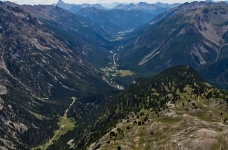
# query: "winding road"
{"type": "Point", "coordinates": [114, 61]}
{"type": "Point", "coordinates": [61, 126]}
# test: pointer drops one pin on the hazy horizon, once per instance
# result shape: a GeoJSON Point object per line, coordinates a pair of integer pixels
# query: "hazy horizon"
{"type": "Point", "coordinates": [50, 2]}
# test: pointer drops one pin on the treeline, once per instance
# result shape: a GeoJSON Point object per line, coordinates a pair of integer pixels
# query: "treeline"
{"type": "Point", "coordinates": [97, 112]}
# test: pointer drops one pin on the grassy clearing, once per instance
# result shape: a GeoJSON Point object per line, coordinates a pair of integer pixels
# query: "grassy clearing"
{"type": "Point", "coordinates": [65, 124]}
{"type": "Point", "coordinates": [124, 73]}
{"type": "Point", "coordinates": [68, 125]}
{"type": "Point", "coordinates": [113, 72]}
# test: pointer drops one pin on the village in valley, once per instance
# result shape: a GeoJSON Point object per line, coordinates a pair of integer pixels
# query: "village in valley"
{"type": "Point", "coordinates": [112, 71]}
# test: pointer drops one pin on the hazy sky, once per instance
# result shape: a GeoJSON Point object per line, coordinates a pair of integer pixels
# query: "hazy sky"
{"type": "Point", "coordinates": [93, 1]}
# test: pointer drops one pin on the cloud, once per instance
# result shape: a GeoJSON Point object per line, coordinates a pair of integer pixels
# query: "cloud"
{"type": "Point", "coordinates": [32, 2]}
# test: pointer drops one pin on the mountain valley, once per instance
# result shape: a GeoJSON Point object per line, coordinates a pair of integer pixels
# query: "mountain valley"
{"type": "Point", "coordinates": [125, 77]}
{"type": "Point", "coordinates": [39, 70]}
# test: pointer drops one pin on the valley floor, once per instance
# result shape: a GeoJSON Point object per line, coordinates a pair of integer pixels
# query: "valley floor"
{"type": "Point", "coordinates": [65, 125]}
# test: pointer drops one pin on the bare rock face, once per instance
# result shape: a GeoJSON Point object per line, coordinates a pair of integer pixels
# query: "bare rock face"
{"type": "Point", "coordinates": [83, 34]}
{"type": "Point", "coordinates": [3, 90]}
{"type": "Point", "coordinates": [192, 34]}
{"type": "Point", "coordinates": [179, 9]}
{"type": "Point", "coordinates": [32, 54]}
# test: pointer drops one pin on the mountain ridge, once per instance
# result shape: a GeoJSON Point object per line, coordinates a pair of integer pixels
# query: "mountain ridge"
{"type": "Point", "coordinates": [156, 8]}
{"type": "Point", "coordinates": [192, 36]}
{"type": "Point", "coordinates": [115, 20]}
{"type": "Point", "coordinates": [150, 99]}
{"type": "Point", "coordinates": [79, 32]}
{"type": "Point", "coordinates": [181, 113]}
{"type": "Point", "coordinates": [74, 7]}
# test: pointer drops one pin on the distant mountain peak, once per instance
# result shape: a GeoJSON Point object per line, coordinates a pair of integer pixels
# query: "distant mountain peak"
{"type": "Point", "coordinates": [142, 3]}
{"type": "Point", "coordinates": [60, 2]}
{"type": "Point", "coordinates": [147, 8]}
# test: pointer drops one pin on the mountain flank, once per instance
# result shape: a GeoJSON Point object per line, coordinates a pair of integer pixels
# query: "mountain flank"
{"type": "Point", "coordinates": [116, 20]}
{"type": "Point", "coordinates": [86, 36]}
{"type": "Point", "coordinates": [120, 18]}
{"type": "Point", "coordinates": [40, 71]}
{"type": "Point", "coordinates": [216, 73]}
{"type": "Point", "coordinates": [174, 110]}
{"type": "Point", "coordinates": [143, 115]}
{"type": "Point", "coordinates": [195, 37]}
{"type": "Point", "coordinates": [181, 8]}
